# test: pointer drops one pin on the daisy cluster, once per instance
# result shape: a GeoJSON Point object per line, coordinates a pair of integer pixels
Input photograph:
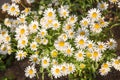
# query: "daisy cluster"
{"type": "Point", "coordinates": [57, 40]}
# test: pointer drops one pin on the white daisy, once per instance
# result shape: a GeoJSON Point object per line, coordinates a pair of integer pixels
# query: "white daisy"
{"type": "Point", "coordinates": [111, 44]}
{"type": "Point", "coordinates": [82, 32]}
{"type": "Point", "coordinates": [20, 55]}
{"type": "Point", "coordinates": [119, 4]}
{"type": "Point", "coordinates": [64, 69]}
{"type": "Point", "coordinates": [54, 53]}
{"type": "Point", "coordinates": [30, 1]}
{"type": "Point", "coordinates": [85, 22]}
{"type": "Point", "coordinates": [96, 28]}
{"type": "Point", "coordinates": [80, 55]}
{"type": "Point", "coordinates": [90, 45]}
{"type": "Point", "coordinates": [96, 55]}
{"type": "Point", "coordinates": [16, 1]}
{"type": "Point", "coordinates": [34, 59]}
{"type": "Point", "coordinates": [44, 41]}
{"type": "Point", "coordinates": [71, 68]}
{"type": "Point", "coordinates": [5, 6]}
{"type": "Point", "coordinates": [63, 36]}
{"type": "Point", "coordinates": [7, 22]}
{"type": "Point", "coordinates": [26, 11]}
{"type": "Point", "coordinates": [116, 63]}
{"type": "Point", "coordinates": [94, 14]}
{"type": "Point", "coordinates": [72, 19]}
{"type": "Point", "coordinates": [104, 71]}
{"type": "Point", "coordinates": [30, 71]}
{"type": "Point", "coordinates": [114, 1]}
{"type": "Point", "coordinates": [42, 33]}
{"type": "Point", "coordinates": [33, 27]}
{"type": "Point", "coordinates": [102, 5]}
{"type": "Point", "coordinates": [45, 62]}
{"type": "Point", "coordinates": [49, 13]}
{"type": "Point", "coordinates": [81, 42]}
{"type": "Point", "coordinates": [22, 42]}
{"type": "Point", "coordinates": [3, 49]}
{"type": "Point", "coordinates": [101, 46]}
{"type": "Point", "coordinates": [56, 71]}
{"type": "Point", "coordinates": [56, 25]}
{"type": "Point", "coordinates": [33, 46]}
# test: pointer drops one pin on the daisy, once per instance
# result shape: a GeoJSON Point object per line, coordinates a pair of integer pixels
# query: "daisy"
{"type": "Point", "coordinates": [54, 53]}
{"type": "Point", "coordinates": [42, 33]}
{"type": "Point", "coordinates": [60, 44]}
{"type": "Point", "coordinates": [49, 13]}
{"type": "Point", "coordinates": [81, 42]}
{"type": "Point", "coordinates": [70, 34]}
{"type": "Point", "coordinates": [64, 69]}
{"type": "Point", "coordinates": [30, 71]}
{"type": "Point", "coordinates": [22, 19]}
{"type": "Point", "coordinates": [69, 51]}
{"type": "Point", "coordinates": [26, 11]}
{"type": "Point", "coordinates": [102, 5]}
{"type": "Point", "coordinates": [34, 58]}
{"type": "Point", "coordinates": [96, 55]}
{"type": "Point", "coordinates": [96, 28]}
{"type": "Point", "coordinates": [85, 22]}
{"type": "Point", "coordinates": [44, 41]}
{"type": "Point", "coordinates": [45, 62]}
{"type": "Point", "coordinates": [33, 46]}
{"type": "Point", "coordinates": [5, 6]}
{"type": "Point", "coordinates": [72, 19]}
{"type": "Point", "coordinates": [82, 32]}
{"type": "Point", "coordinates": [119, 4]}
{"type": "Point", "coordinates": [4, 32]}
{"type": "Point", "coordinates": [63, 11]}
{"type": "Point", "coordinates": [111, 44]}
{"type": "Point", "coordinates": [13, 10]}
{"type": "Point", "coordinates": [3, 49]}
{"type": "Point", "coordinates": [56, 71]}
{"type": "Point", "coordinates": [102, 22]}
{"type": "Point", "coordinates": [94, 14]}
{"type": "Point", "coordinates": [104, 71]}
{"type": "Point", "coordinates": [54, 62]}
{"type": "Point", "coordinates": [33, 27]}
{"type": "Point", "coordinates": [71, 68]}
{"type": "Point", "coordinates": [16, 1]}
{"type": "Point", "coordinates": [38, 39]}
{"type": "Point", "coordinates": [22, 42]}
{"type": "Point", "coordinates": [7, 39]}
{"type": "Point", "coordinates": [89, 54]}
{"type": "Point", "coordinates": [102, 46]}
{"type": "Point", "coordinates": [90, 45]}
{"type": "Point", "coordinates": [20, 55]}
{"type": "Point", "coordinates": [79, 56]}
{"type": "Point", "coordinates": [67, 27]}
{"type": "Point", "coordinates": [22, 30]}
{"type": "Point", "coordinates": [7, 22]}
{"type": "Point", "coordinates": [116, 63]}
{"type": "Point", "coordinates": [63, 36]}
{"type": "Point", "coordinates": [56, 25]}
{"type": "Point", "coordinates": [113, 1]}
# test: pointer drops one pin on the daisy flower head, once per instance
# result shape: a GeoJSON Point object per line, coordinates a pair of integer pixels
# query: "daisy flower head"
{"type": "Point", "coordinates": [106, 65]}
{"type": "Point", "coordinates": [33, 46]}
{"type": "Point", "coordinates": [64, 69]}
{"type": "Point", "coordinates": [54, 62]}
{"type": "Point", "coordinates": [49, 13]}
{"type": "Point", "coordinates": [85, 22]}
{"type": "Point", "coordinates": [34, 59]}
{"type": "Point", "coordinates": [111, 44]}
{"type": "Point", "coordinates": [33, 27]}
{"type": "Point", "coordinates": [94, 14]}
{"type": "Point", "coordinates": [20, 55]}
{"type": "Point", "coordinates": [101, 46]}
{"type": "Point", "coordinates": [42, 33]}
{"type": "Point", "coordinates": [22, 42]}
{"type": "Point", "coordinates": [63, 11]}
{"type": "Point", "coordinates": [5, 6]}
{"type": "Point", "coordinates": [22, 30]}
{"type": "Point", "coordinates": [26, 11]}
{"type": "Point", "coordinates": [90, 45]}
{"type": "Point", "coordinates": [56, 71]}
{"type": "Point", "coordinates": [56, 25]}
{"type": "Point", "coordinates": [67, 27]}
{"type": "Point", "coordinates": [60, 44]}
{"type": "Point", "coordinates": [30, 71]}
{"type": "Point", "coordinates": [71, 68]}
{"type": "Point", "coordinates": [71, 34]}
{"type": "Point", "coordinates": [114, 1]}
{"type": "Point", "coordinates": [63, 36]}
{"type": "Point", "coordinates": [102, 6]}
{"type": "Point", "coordinates": [81, 42]}
{"type": "Point", "coordinates": [7, 38]}
{"type": "Point", "coordinates": [69, 51]}
{"type": "Point", "coordinates": [116, 63]}
{"type": "Point", "coordinates": [45, 62]}
{"type": "Point", "coordinates": [22, 19]}
{"type": "Point", "coordinates": [54, 53]}
{"type": "Point", "coordinates": [7, 22]}
{"type": "Point", "coordinates": [104, 71]}
{"type": "Point", "coordinates": [79, 56]}
{"type": "Point", "coordinates": [82, 32]}
{"type": "Point", "coordinates": [82, 65]}
{"type": "Point", "coordinates": [44, 41]}
{"type": "Point", "coordinates": [96, 28]}
{"type": "Point", "coordinates": [102, 22]}
{"type": "Point", "coordinates": [13, 10]}
{"type": "Point", "coordinates": [3, 49]}
{"type": "Point", "coordinates": [16, 1]}
{"type": "Point", "coordinates": [72, 19]}
{"type": "Point", "coordinates": [96, 55]}
{"type": "Point", "coordinates": [119, 4]}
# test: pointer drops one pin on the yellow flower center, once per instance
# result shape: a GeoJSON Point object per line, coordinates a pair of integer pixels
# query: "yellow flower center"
{"type": "Point", "coordinates": [82, 66]}
{"type": "Point", "coordinates": [63, 68]}
{"type": "Point", "coordinates": [96, 26]}
{"type": "Point", "coordinates": [61, 43]}
{"type": "Point", "coordinates": [80, 55]}
{"type": "Point", "coordinates": [34, 26]}
{"type": "Point", "coordinates": [70, 68]}
{"type": "Point", "coordinates": [117, 61]}
{"type": "Point", "coordinates": [105, 65]}
{"type": "Point", "coordinates": [57, 71]}
{"type": "Point", "coordinates": [95, 54]}
{"type": "Point", "coordinates": [85, 23]}
{"type": "Point", "coordinates": [22, 31]}
{"type": "Point", "coordinates": [55, 25]}
{"type": "Point", "coordinates": [68, 27]}
{"type": "Point", "coordinates": [68, 51]}
{"type": "Point", "coordinates": [72, 19]}
{"type": "Point", "coordinates": [82, 33]}
{"type": "Point", "coordinates": [50, 14]}
{"type": "Point", "coordinates": [90, 46]}
{"type": "Point", "coordinates": [102, 6]}
{"type": "Point", "coordinates": [23, 42]}
{"type": "Point", "coordinates": [94, 15]}
{"type": "Point", "coordinates": [81, 42]}
{"type": "Point", "coordinates": [45, 62]}
{"type": "Point", "coordinates": [35, 59]}
{"type": "Point", "coordinates": [100, 46]}
{"type": "Point", "coordinates": [4, 49]}
{"type": "Point", "coordinates": [64, 13]}
{"type": "Point", "coordinates": [12, 9]}
{"type": "Point", "coordinates": [34, 46]}
{"type": "Point", "coordinates": [88, 54]}
{"type": "Point", "coordinates": [30, 72]}
{"type": "Point", "coordinates": [54, 54]}
{"type": "Point", "coordinates": [7, 38]}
